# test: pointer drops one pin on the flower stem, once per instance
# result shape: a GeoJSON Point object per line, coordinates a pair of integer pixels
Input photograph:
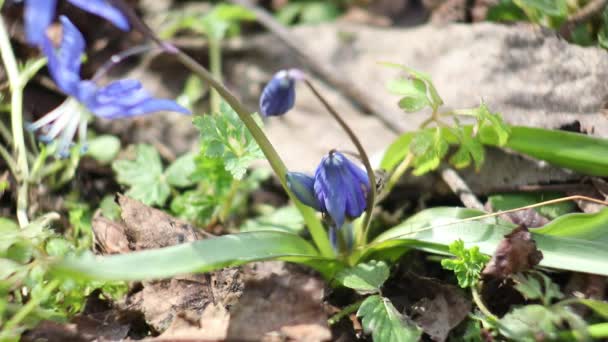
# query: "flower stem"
{"type": "Point", "coordinates": [480, 304]}
{"type": "Point", "coordinates": [215, 66]}
{"type": "Point", "coordinates": [16, 85]}
{"type": "Point", "coordinates": [318, 233]}
{"type": "Point", "coordinates": [371, 198]}
{"type": "Point", "coordinates": [344, 312]}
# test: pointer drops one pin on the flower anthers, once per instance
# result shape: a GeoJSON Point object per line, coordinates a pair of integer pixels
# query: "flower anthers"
{"type": "Point", "coordinates": [40, 13]}
{"type": "Point", "coordinates": [118, 99]}
{"type": "Point", "coordinates": [279, 95]}
{"type": "Point", "coordinates": [339, 188]}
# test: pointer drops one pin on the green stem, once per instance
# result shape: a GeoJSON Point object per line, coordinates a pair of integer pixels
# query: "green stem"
{"type": "Point", "coordinates": [16, 86]}
{"type": "Point", "coordinates": [317, 231]}
{"type": "Point", "coordinates": [229, 199]}
{"type": "Point", "coordinates": [31, 305]}
{"type": "Point", "coordinates": [371, 198]}
{"type": "Point", "coordinates": [8, 159]}
{"type": "Point", "coordinates": [215, 66]}
{"type": "Point", "coordinates": [480, 304]}
{"type": "Point", "coordinates": [344, 312]}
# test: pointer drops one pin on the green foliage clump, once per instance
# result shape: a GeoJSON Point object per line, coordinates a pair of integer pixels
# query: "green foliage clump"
{"type": "Point", "coordinates": [467, 265]}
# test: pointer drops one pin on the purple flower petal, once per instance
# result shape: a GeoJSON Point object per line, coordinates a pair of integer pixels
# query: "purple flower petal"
{"type": "Point", "coordinates": [302, 186]}
{"type": "Point", "coordinates": [103, 9]}
{"type": "Point", "coordinates": [64, 64]}
{"type": "Point", "coordinates": [38, 15]}
{"type": "Point", "coordinates": [279, 95]}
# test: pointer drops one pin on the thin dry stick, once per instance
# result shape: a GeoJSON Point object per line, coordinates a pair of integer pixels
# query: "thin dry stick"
{"type": "Point", "coordinates": [350, 90]}
{"type": "Point", "coordinates": [498, 213]}
{"type": "Point", "coordinates": [460, 188]}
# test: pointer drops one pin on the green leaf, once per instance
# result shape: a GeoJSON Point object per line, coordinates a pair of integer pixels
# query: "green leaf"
{"type": "Point", "coordinates": [505, 10]}
{"type": "Point", "coordinates": [599, 307]}
{"type": "Point", "coordinates": [288, 14]}
{"type": "Point", "coordinates": [470, 148]}
{"type": "Point", "coordinates": [502, 202]}
{"type": "Point", "coordinates": [8, 267]}
{"type": "Point", "coordinates": [58, 247]}
{"type": "Point", "coordinates": [434, 98]}
{"type": "Point", "coordinates": [528, 322]}
{"type": "Point", "coordinates": [286, 219]}
{"type": "Point", "coordinates": [144, 176]}
{"type": "Point", "coordinates": [531, 288]}
{"type": "Point", "coordinates": [579, 152]}
{"type": "Point", "coordinates": [436, 228]}
{"type": "Point", "coordinates": [199, 256]}
{"type": "Point", "coordinates": [414, 92]}
{"type": "Point", "coordinates": [225, 136]}
{"type": "Point", "coordinates": [467, 265]}
{"type": "Point", "coordinates": [364, 277]}
{"type": "Point", "coordinates": [380, 318]}
{"type": "Point", "coordinates": [554, 8]}
{"type": "Point", "coordinates": [585, 226]}
{"type": "Point", "coordinates": [109, 208]}
{"type": "Point", "coordinates": [318, 12]}
{"type": "Point", "coordinates": [429, 148]}
{"type": "Point", "coordinates": [104, 148]}
{"type": "Point", "coordinates": [179, 173]}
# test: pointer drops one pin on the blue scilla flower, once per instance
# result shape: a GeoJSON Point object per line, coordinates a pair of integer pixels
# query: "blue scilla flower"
{"type": "Point", "coordinates": [279, 94]}
{"type": "Point", "coordinates": [40, 13]}
{"type": "Point", "coordinates": [339, 188]}
{"type": "Point", "coordinates": [118, 99]}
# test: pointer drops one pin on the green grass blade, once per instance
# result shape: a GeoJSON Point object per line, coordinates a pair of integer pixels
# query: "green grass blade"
{"type": "Point", "coordinates": [199, 256]}
{"type": "Point", "coordinates": [432, 230]}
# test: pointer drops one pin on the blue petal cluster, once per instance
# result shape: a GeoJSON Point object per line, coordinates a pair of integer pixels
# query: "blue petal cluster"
{"type": "Point", "coordinates": [121, 98]}
{"type": "Point", "coordinates": [40, 13]}
{"type": "Point", "coordinates": [279, 95]}
{"type": "Point", "coordinates": [339, 188]}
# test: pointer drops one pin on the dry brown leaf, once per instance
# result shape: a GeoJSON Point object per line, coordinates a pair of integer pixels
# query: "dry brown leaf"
{"type": "Point", "coordinates": [279, 303]}
{"type": "Point", "coordinates": [516, 253]}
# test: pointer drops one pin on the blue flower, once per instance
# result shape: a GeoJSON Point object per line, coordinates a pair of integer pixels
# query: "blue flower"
{"type": "Point", "coordinates": [339, 188]}
{"type": "Point", "coordinates": [40, 13]}
{"type": "Point", "coordinates": [279, 95]}
{"type": "Point", "coordinates": [118, 99]}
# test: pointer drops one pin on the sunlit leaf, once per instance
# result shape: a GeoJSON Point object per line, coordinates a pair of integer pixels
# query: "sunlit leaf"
{"type": "Point", "coordinates": [380, 318]}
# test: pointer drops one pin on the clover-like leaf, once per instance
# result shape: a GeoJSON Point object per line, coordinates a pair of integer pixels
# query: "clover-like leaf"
{"type": "Point", "coordinates": [380, 318]}
{"type": "Point", "coordinates": [428, 148]}
{"type": "Point", "coordinates": [365, 277]}
{"type": "Point", "coordinates": [179, 173]}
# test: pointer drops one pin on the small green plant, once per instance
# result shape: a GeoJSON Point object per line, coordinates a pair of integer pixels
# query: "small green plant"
{"type": "Point", "coordinates": [467, 265]}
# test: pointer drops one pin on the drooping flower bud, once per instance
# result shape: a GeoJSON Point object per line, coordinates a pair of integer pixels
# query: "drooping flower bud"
{"type": "Point", "coordinates": [339, 188]}
{"type": "Point", "coordinates": [279, 95]}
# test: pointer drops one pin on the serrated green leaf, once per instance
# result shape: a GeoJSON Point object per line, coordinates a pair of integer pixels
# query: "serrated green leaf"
{"type": "Point", "coordinates": [528, 322]}
{"type": "Point", "coordinates": [467, 265]}
{"type": "Point", "coordinates": [531, 288]}
{"type": "Point", "coordinates": [225, 137]}
{"type": "Point", "coordinates": [428, 151]}
{"type": "Point", "coordinates": [179, 173]}
{"type": "Point", "coordinates": [364, 277]}
{"type": "Point", "coordinates": [553, 8]}
{"type": "Point", "coordinates": [380, 318]}
{"type": "Point", "coordinates": [8, 267]}
{"type": "Point", "coordinates": [104, 148]}
{"type": "Point", "coordinates": [598, 306]}
{"type": "Point", "coordinates": [144, 176]}
{"type": "Point", "coordinates": [434, 98]}
{"type": "Point", "coordinates": [414, 94]}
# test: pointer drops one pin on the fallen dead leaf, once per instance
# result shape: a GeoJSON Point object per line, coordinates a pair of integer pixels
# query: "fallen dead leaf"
{"type": "Point", "coordinates": [279, 303]}
{"type": "Point", "coordinates": [442, 309]}
{"type": "Point", "coordinates": [516, 253]}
